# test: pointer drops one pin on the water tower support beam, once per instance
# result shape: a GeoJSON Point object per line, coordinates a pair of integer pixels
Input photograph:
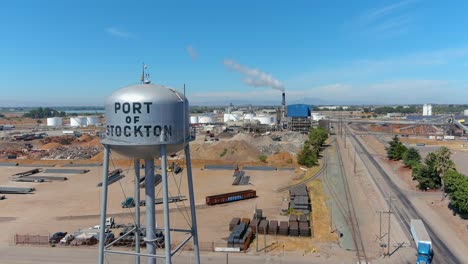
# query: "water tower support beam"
{"type": "Point", "coordinates": [105, 172]}
{"type": "Point", "coordinates": [167, 231]}
{"type": "Point", "coordinates": [150, 210]}
{"type": "Point", "coordinates": [192, 204]}
{"type": "Point", "coordinates": [137, 209]}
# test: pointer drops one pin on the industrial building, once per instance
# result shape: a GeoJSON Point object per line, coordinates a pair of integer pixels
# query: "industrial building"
{"type": "Point", "coordinates": [427, 110]}
{"type": "Point", "coordinates": [299, 117]}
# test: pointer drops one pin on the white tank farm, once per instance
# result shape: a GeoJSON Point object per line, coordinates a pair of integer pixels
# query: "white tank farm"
{"type": "Point", "coordinates": [249, 116]}
{"type": "Point", "coordinates": [206, 119]}
{"type": "Point", "coordinates": [231, 117]}
{"type": "Point", "coordinates": [193, 119]}
{"type": "Point", "coordinates": [266, 120]}
{"type": "Point", "coordinates": [92, 120]}
{"type": "Point", "coordinates": [78, 121]}
{"type": "Point", "coordinates": [54, 121]}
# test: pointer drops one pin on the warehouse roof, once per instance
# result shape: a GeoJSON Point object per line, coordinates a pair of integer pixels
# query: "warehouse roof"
{"type": "Point", "coordinates": [298, 110]}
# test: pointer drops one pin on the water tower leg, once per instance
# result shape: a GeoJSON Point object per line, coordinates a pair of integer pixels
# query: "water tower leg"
{"type": "Point", "coordinates": [167, 232]}
{"type": "Point", "coordinates": [150, 210]}
{"type": "Point", "coordinates": [192, 204]}
{"type": "Point", "coordinates": [105, 171]}
{"type": "Point", "coordinates": [137, 209]}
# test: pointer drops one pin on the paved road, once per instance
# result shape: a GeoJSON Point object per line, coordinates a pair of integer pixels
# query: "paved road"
{"type": "Point", "coordinates": [402, 206]}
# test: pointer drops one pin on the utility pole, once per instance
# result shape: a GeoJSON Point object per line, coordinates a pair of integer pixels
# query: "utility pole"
{"type": "Point", "coordinates": [355, 162]}
{"type": "Point", "coordinates": [388, 231]}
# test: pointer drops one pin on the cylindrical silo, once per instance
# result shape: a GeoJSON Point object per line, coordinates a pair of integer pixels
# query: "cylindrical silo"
{"type": "Point", "coordinates": [193, 119]}
{"type": "Point", "coordinates": [78, 121]}
{"type": "Point", "coordinates": [92, 120]}
{"type": "Point", "coordinates": [206, 119]}
{"type": "Point", "coordinates": [264, 120]}
{"type": "Point", "coordinates": [54, 121]}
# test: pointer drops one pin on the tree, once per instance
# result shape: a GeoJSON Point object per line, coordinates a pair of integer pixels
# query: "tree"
{"type": "Point", "coordinates": [307, 157]}
{"type": "Point", "coordinates": [443, 162]}
{"type": "Point", "coordinates": [459, 198]}
{"type": "Point", "coordinates": [426, 173]}
{"type": "Point", "coordinates": [453, 179]}
{"type": "Point", "coordinates": [395, 149]}
{"type": "Point", "coordinates": [411, 157]}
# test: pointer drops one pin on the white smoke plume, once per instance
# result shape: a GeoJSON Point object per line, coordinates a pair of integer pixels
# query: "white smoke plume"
{"type": "Point", "coordinates": [255, 77]}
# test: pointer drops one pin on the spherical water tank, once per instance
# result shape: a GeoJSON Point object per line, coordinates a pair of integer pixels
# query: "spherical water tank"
{"type": "Point", "coordinates": [140, 118]}
{"type": "Point", "coordinates": [193, 119]}
{"type": "Point", "coordinates": [78, 121]}
{"type": "Point", "coordinates": [206, 119]}
{"type": "Point", "coordinates": [92, 120]}
{"type": "Point", "coordinates": [54, 121]}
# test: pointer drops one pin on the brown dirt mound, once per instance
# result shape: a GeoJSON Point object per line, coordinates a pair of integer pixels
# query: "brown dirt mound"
{"type": "Point", "coordinates": [85, 138]}
{"type": "Point", "coordinates": [281, 157]}
{"type": "Point", "coordinates": [93, 141]}
{"type": "Point", "coordinates": [51, 145]}
{"type": "Point", "coordinates": [235, 150]}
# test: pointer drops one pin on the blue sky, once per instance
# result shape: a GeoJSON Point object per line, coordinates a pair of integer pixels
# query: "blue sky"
{"type": "Point", "coordinates": [77, 52]}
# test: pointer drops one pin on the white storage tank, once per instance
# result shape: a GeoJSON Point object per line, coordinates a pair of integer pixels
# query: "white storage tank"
{"type": "Point", "coordinates": [193, 119]}
{"type": "Point", "coordinates": [249, 116]}
{"type": "Point", "coordinates": [206, 119]}
{"type": "Point", "coordinates": [54, 121]}
{"type": "Point", "coordinates": [92, 120]}
{"type": "Point", "coordinates": [465, 113]}
{"type": "Point", "coordinates": [78, 121]}
{"type": "Point", "coordinates": [231, 117]}
{"type": "Point", "coordinates": [266, 120]}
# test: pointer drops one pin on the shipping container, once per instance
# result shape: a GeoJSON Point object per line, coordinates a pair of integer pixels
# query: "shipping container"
{"type": "Point", "coordinates": [230, 197]}
{"type": "Point", "coordinates": [235, 221]}
{"type": "Point", "coordinates": [284, 228]}
{"type": "Point", "coordinates": [273, 227]}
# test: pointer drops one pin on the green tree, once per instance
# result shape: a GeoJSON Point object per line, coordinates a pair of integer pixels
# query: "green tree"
{"type": "Point", "coordinates": [459, 198]}
{"type": "Point", "coordinates": [411, 157]}
{"type": "Point", "coordinates": [443, 162]}
{"type": "Point", "coordinates": [426, 174]}
{"type": "Point", "coordinates": [453, 179]}
{"type": "Point", "coordinates": [307, 157]}
{"type": "Point", "coordinates": [395, 149]}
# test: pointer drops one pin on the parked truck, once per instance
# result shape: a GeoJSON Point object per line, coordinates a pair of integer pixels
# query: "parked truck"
{"type": "Point", "coordinates": [422, 240]}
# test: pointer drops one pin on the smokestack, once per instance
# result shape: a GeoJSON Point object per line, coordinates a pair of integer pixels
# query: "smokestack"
{"type": "Point", "coordinates": [283, 104]}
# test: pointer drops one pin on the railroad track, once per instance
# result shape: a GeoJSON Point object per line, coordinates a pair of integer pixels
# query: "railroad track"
{"type": "Point", "coordinates": [315, 176]}
{"type": "Point", "coordinates": [360, 249]}
{"type": "Point", "coordinates": [405, 210]}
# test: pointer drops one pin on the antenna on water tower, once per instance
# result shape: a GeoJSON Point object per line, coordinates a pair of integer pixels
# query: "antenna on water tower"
{"type": "Point", "coordinates": [148, 121]}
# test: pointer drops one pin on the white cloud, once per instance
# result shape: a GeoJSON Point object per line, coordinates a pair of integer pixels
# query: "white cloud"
{"type": "Point", "coordinates": [386, 21]}
{"type": "Point", "coordinates": [192, 52]}
{"type": "Point", "coordinates": [117, 32]}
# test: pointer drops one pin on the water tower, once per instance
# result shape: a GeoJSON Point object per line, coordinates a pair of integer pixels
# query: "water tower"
{"type": "Point", "coordinates": [148, 121]}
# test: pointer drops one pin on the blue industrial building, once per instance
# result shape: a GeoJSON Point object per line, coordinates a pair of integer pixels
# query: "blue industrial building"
{"type": "Point", "coordinates": [298, 110]}
{"type": "Point", "coordinates": [298, 116]}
